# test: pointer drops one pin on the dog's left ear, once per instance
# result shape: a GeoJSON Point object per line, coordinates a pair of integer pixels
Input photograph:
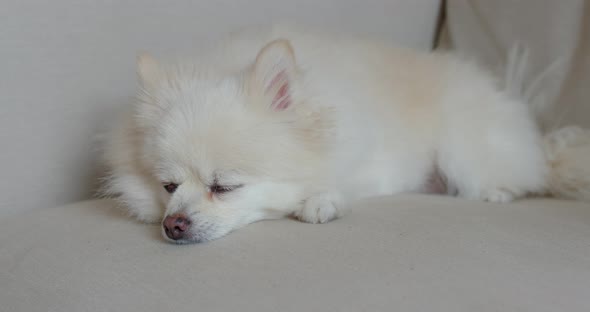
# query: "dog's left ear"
{"type": "Point", "coordinates": [274, 72]}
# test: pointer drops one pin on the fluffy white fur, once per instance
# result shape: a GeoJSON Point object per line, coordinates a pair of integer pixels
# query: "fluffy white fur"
{"type": "Point", "coordinates": [303, 122]}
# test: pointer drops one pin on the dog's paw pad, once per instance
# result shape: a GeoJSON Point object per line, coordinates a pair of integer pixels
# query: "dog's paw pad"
{"type": "Point", "coordinates": [317, 209]}
{"type": "Point", "coordinates": [498, 196]}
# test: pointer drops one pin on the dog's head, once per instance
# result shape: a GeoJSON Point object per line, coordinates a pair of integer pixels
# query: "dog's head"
{"type": "Point", "coordinates": [228, 147]}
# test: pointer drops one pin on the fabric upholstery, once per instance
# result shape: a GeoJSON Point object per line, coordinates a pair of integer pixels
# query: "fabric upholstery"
{"type": "Point", "coordinates": [404, 253]}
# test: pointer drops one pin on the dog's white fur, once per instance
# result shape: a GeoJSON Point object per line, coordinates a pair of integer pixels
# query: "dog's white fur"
{"type": "Point", "coordinates": [304, 122]}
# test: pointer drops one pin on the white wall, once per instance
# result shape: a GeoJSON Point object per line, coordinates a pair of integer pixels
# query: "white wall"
{"type": "Point", "coordinates": [64, 64]}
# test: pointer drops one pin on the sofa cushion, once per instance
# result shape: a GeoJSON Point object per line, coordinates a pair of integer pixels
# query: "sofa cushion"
{"type": "Point", "coordinates": [403, 253]}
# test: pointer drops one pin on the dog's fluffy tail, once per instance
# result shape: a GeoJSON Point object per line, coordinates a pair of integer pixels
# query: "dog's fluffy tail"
{"type": "Point", "coordinates": [567, 148]}
{"type": "Point", "coordinates": [568, 153]}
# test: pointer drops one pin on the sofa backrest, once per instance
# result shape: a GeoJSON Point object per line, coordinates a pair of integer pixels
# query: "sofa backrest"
{"type": "Point", "coordinates": [66, 64]}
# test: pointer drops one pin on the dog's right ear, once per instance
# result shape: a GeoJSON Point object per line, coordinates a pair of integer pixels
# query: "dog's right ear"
{"type": "Point", "coordinates": [148, 71]}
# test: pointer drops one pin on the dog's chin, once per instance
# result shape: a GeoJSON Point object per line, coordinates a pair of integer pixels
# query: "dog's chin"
{"type": "Point", "coordinates": [187, 241]}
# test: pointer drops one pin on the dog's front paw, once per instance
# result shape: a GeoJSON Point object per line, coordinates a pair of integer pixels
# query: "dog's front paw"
{"type": "Point", "coordinates": [319, 209]}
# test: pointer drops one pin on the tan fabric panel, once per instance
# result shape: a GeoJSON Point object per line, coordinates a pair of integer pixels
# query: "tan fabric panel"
{"type": "Point", "coordinates": [552, 30]}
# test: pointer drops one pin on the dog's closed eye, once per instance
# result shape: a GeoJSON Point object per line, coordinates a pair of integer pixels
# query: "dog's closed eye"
{"type": "Point", "coordinates": [222, 189]}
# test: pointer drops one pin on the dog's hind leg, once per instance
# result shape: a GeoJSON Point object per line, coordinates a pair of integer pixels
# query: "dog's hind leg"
{"type": "Point", "coordinates": [492, 150]}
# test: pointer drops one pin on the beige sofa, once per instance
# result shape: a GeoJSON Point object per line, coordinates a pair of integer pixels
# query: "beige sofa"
{"type": "Point", "coordinates": [67, 65]}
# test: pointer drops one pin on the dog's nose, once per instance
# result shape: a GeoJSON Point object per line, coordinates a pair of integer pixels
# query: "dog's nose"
{"type": "Point", "coordinates": [176, 226]}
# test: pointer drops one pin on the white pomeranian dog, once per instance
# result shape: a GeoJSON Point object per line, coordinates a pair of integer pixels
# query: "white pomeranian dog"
{"type": "Point", "coordinates": [278, 122]}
